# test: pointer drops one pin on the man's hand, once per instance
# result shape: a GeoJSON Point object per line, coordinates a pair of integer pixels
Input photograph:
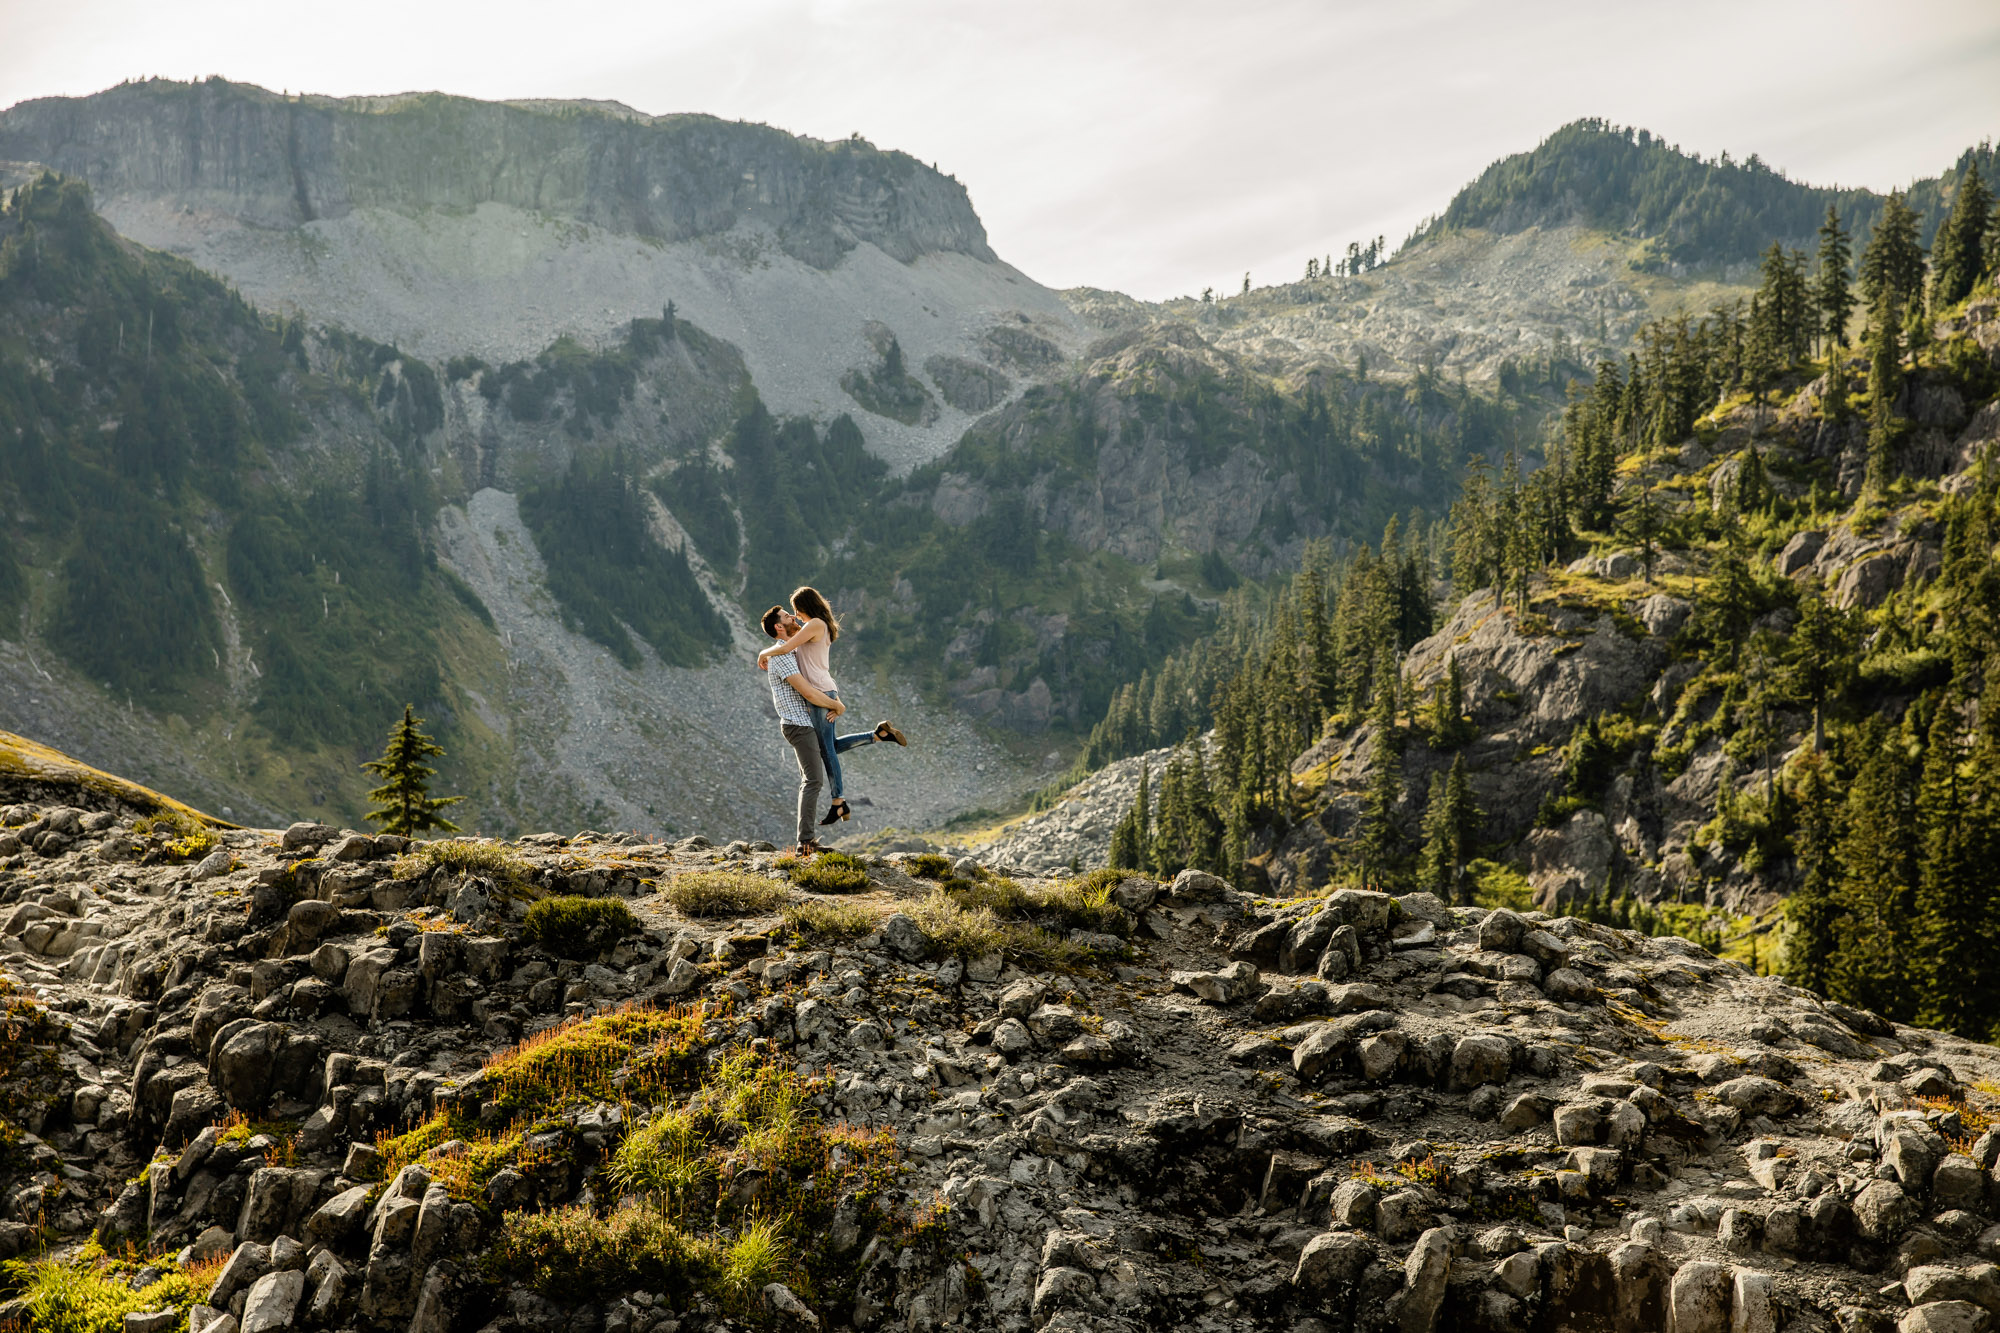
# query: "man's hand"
{"type": "Point", "coordinates": [835, 709]}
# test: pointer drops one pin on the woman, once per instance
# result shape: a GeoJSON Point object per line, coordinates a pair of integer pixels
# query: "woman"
{"type": "Point", "coordinates": [816, 631]}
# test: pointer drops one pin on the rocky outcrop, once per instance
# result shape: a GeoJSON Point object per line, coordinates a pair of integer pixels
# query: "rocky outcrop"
{"type": "Point", "coordinates": [1353, 1112]}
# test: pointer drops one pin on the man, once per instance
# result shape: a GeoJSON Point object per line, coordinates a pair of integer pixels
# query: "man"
{"type": "Point", "coordinates": [790, 693]}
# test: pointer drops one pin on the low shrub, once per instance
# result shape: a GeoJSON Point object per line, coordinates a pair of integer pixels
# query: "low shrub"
{"type": "Point", "coordinates": [184, 836]}
{"type": "Point", "coordinates": [816, 919]}
{"type": "Point", "coordinates": [724, 893]}
{"type": "Point", "coordinates": [929, 865]}
{"type": "Point", "coordinates": [831, 872]}
{"type": "Point", "coordinates": [574, 927]}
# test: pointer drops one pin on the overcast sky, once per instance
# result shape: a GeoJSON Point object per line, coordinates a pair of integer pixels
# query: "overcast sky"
{"type": "Point", "coordinates": [1153, 146]}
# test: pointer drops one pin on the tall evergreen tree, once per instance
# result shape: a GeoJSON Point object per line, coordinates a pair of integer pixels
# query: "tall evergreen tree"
{"type": "Point", "coordinates": [1379, 841]}
{"type": "Point", "coordinates": [1833, 297]}
{"type": "Point", "coordinates": [1892, 264]}
{"type": "Point", "coordinates": [1873, 965]}
{"type": "Point", "coordinates": [1954, 933]}
{"type": "Point", "coordinates": [1132, 838]}
{"type": "Point", "coordinates": [1812, 910]}
{"type": "Point", "coordinates": [1885, 381]}
{"type": "Point", "coordinates": [403, 803]}
{"type": "Point", "coordinates": [1959, 256]}
{"type": "Point", "coordinates": [1820, 656]}
{"type": "Point", "coordinates": [1450, 824]}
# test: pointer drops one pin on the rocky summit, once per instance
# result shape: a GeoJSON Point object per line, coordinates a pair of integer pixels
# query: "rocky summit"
{"type": "Point", "coordinates": [312, 1078]}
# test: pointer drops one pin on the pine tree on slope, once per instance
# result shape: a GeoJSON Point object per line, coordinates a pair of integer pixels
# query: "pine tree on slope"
{"type": "Point", "coordinates": [403, 803]}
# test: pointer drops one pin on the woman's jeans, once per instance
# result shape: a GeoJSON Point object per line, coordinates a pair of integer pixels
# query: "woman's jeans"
{"type": "Point", "coordinates": [831, 747]}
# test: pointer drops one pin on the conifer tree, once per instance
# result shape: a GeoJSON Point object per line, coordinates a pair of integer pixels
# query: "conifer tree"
{"type": "Point", "coordinates": [1872, 965]}
{"type": "Point", "coordinates": [1811, 909]}
{"type": "Point", "coordinates": [1960, 253]}
{"type": "Point", "coordinates": [1451, 823]}
{"type": "Point", "coordinates": [403, 803]}
{"type": "Point", "coordinates": [1131, 839]}
{"type": "Point", "coordinates": [1885, 379]}
{"type": "Point", "coordinates": [1832, 296]}
{"type": "Point", "coordinates": [1953, 934]}
{"type": "Point", "coordinates": [1640, 521]}
{"type": "Point", "coordinates": [1378, 838]}
{"type": "Point", "coordinates": [1892, 265]}
{"type": "Point", "coordinates": [1820, 656]}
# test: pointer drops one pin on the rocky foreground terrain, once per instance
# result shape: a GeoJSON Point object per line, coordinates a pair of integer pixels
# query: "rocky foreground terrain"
{"type": "Point", "coordinates": [314, 1078]}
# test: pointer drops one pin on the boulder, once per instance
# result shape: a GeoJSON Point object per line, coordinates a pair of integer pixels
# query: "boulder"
{"type": "Point", "coordinates": [905, 938]}
{"type": "Point", "coordinates": [1698, 1299]}
{"type": "Point", "coordinates": [1333, 1261]}
{"type": "Point", "coordinates": [272, 1302]}
{"type": "Point", "coordinates": [1882, 1211]}
{"type": "Point", "coordinates": [1478, 1060]}
{"type": "Point", "coordinates": [1946, 1317]}
{"type": "Point", "coordinates": [1425, 1272]}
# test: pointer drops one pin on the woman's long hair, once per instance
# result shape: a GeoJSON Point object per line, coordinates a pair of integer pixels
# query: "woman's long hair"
{"type": "Point", "coordinates": [808, 603]}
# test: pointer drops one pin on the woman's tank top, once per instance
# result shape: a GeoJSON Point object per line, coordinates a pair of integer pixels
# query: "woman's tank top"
{"type": "Point", "coordinates": [813, 666]}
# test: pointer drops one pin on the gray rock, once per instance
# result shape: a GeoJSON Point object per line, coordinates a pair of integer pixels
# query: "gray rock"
{"type": "Point", "coordinates": [1477, 1060]}
{"type": "Point", "coordinates": [1663, 615]}
{"type": "Point", "coordinates": [1882, 1211]}
{"type": "Point", "coordinates": [1978, 1283]}
{"type": "Point", "coordinates": [1332, 1261]}
{"type": "Point", "coordinates": [1799, 553]}
{"type": "Point", "coordinates": [248, 1262]}
{"type": "Point", "coordinates": [304, 835]}
{"type": "Point", "coordinates": [1945, 1317]}
{"type": "Point", "coordinates": [1752, 1308]}
{"type": "Point", "coordinates": [1425, 1272]}
{"type": "Point", "coordinates": [340, 1217]}
{"type": "Point", "coordinates": [906, 938]}
{"type": "Point", "coordinates": [1353, 1205]}
{"type": "Point", "coordinates": [1698, 1299]}
{"type": "Point", "coordinates": [1754, 1095]}
{"type": "Point", "coordinates": [273, 1300]}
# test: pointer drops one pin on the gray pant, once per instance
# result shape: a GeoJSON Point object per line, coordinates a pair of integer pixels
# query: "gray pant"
{"type": "Point", "coordinates": [812, 776]}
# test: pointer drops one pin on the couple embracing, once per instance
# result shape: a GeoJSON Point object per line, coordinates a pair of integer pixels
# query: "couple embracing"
{"type": "Point", "coordinates": [808, 701]}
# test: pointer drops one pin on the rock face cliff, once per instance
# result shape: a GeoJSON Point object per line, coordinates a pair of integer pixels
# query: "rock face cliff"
{"type": "Point", "coordinates": [344, 1082]}
{"type": "Point", "coordinates": [270, 161]}
{"type": "Point", "coordinates": [452, 227]}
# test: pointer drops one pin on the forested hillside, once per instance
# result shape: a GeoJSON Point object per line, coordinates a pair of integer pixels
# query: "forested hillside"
{"type": "Point", "coordinates": [1695, 211]}
{"type": "Point", "coordinates": [1723, 664]}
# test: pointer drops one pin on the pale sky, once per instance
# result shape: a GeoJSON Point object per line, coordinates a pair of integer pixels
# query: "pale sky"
{"type": "Point", "coordinates": [1152, 146]}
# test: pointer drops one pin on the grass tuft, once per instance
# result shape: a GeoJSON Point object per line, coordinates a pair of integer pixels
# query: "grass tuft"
{"type": "Point", "coordinates": [724, 1193]}
{"type": "Point", "coordinates": [817, 919]}
{"type": "Point", "coordinates": [574, 927]}
{"type": "Point", "coordinates": [185, 836]}
{"type": "Point", "coordinates": [831, 872]}
{"type": "Point", "coordinates": [929, 865]}
{"type": "Point", "coordinates": [977, 931]}
{"type": "Point", "coordinates": [77, 1295]}
{"type": "Point", "coordinates": [463, 856]}
{"type": "Point", "coordinates": [724, 893]}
